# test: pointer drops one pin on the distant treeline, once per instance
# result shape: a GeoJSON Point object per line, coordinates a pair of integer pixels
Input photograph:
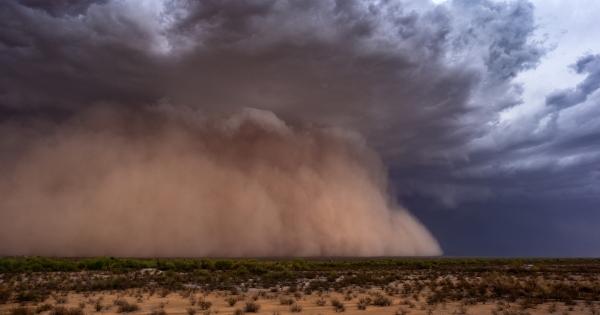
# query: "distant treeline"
{"type": "Point", "coordinates": [261, 266]}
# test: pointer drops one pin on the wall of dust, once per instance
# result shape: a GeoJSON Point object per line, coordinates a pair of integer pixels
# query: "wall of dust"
{"type": "Point", "coordinates": [172, 182]}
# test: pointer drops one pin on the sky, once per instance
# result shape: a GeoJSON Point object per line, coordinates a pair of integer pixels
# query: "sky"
{"type": "Point", "coordinates": [485, 114]}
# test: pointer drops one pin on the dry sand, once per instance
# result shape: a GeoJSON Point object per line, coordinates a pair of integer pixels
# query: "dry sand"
{"type": "Point", "coordinates": [175, 303]}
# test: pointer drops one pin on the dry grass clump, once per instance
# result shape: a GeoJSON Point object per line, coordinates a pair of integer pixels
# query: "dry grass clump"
{"type": "Point", "coordinates": [380, 300]}
{"type": "Point", "coordinates": [5, 294]}
{"type": "Point", "coordinates": [286, 301]}
{"type": "Point", "coordinates": [21, 311]}
{"type": "Point", "coordinates": [461, 310]}
{"type": "Point", "coordinates": [159, 311]}
{"type": "Point", "coordinates": [33, 295]}
{"type": "Point", "coordinates": [203, 304]}
{"type": "Point", "coordinates": [231, 300]}
{"type": "Point", "coordinates": [295, 308]}
{"type": "Point", "coordinates": [61, 310]}
{"type": "Point", "coordinates": [125, 307]}
{"type": "Point", "coordinates": [98, 305]}
{"type": "Point", "coordinates": [337, 305]}
{"type": "Point", "coordinates": [363, 303]}
{"type": "Point", "coordinates": [60, 299]}
{"type": "Point", "coordinates": [43, 308]}
{"type": "Point", "coordinates": [251, 307]}
{"type": "Point", "coordinates": [402, 311]}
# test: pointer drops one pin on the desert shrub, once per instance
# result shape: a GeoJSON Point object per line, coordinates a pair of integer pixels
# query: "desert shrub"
{"type": "Point", "coordinates": [286, 301]}
{"type": "Point", "coordinates": [337, 305]}
{"type": "Point", "coordinates": [164, 292]}
{"type": "Point", "coordinates": [204, 305]}
{"type": "Point", "coordinates": [31, 296]}
{"type": "Point", "coordinates": [380, 300]}
{"type": "Point", "coordinates": [43, 308]}
{"type": "Point", "coordinates": [238, 312]}
{"type": "Point", "coordinates": [363, 303]}
{"type": "Point", "coordinates": [159, 311]}
{"type": "Point", "coordinates": [4, 294]}
{"type": "Point", "coordinates": [251, 307]}
{"type": "Point", "coordinates": [462, 310]}
{"type": "Point", "coordinates": [295, 308]}
{"type": "Point", "coordinates": [126, 307]}
{"type": "Point", "coordinates": [191, 311]}
{"type": "Point", "coordinates": [20, 311]}
{"type": "Point", "coordinates": [98, 306]}
{"type": "Point", "coordinates": [61, 310]}
{"type": "Point", "coordinates": [60, 299]}
{"type": "Point", "coordinates": [231, 301]}
{"type": "Point", "coordinates": [321, 302]}
{"type": "Point", "coordinates": [402, 312]}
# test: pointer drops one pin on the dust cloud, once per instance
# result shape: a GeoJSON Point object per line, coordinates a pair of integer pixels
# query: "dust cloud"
{"type": "Point", "coordinates": [165, 181]}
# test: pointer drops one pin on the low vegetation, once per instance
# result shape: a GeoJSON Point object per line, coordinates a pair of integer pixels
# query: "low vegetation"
{"type": "Point", "coordinates": [35, 285]}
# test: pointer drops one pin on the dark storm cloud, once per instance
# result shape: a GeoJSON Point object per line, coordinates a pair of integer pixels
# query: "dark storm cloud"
{"type": "Point", "coordinates": [553, 153]}
{"type": "Point", "coordinates": [61, 7]}
{"type": "Point", "coordinates": [401, 72]}
{"type": "Point", "coordinates": [69, 62]}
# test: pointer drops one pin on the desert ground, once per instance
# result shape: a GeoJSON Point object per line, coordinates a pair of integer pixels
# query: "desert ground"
{"type": "Point", "coordinates": [321, 286]}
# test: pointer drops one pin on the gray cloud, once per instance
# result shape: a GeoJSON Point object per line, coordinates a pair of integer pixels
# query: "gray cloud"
{"type": "Point", "coordinates": [589, 65]}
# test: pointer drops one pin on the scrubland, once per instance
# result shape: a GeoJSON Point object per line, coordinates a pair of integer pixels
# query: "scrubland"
{"type": "Point", "coordinates": [34, 285]}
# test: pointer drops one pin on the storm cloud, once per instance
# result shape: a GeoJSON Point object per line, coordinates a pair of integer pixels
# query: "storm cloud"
{"type": "Point", "coordinates": [430, 87]}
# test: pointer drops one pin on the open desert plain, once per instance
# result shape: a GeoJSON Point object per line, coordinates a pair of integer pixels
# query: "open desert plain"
{"type": "Point", "coordinates": [304, 286]}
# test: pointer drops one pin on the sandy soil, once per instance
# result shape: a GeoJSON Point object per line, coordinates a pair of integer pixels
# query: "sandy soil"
{"type": "Point", "coordinates": [175, 303]}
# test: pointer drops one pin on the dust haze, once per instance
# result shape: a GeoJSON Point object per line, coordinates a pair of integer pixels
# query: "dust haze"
{"type": "Point", "coordinates": [166, 181]}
